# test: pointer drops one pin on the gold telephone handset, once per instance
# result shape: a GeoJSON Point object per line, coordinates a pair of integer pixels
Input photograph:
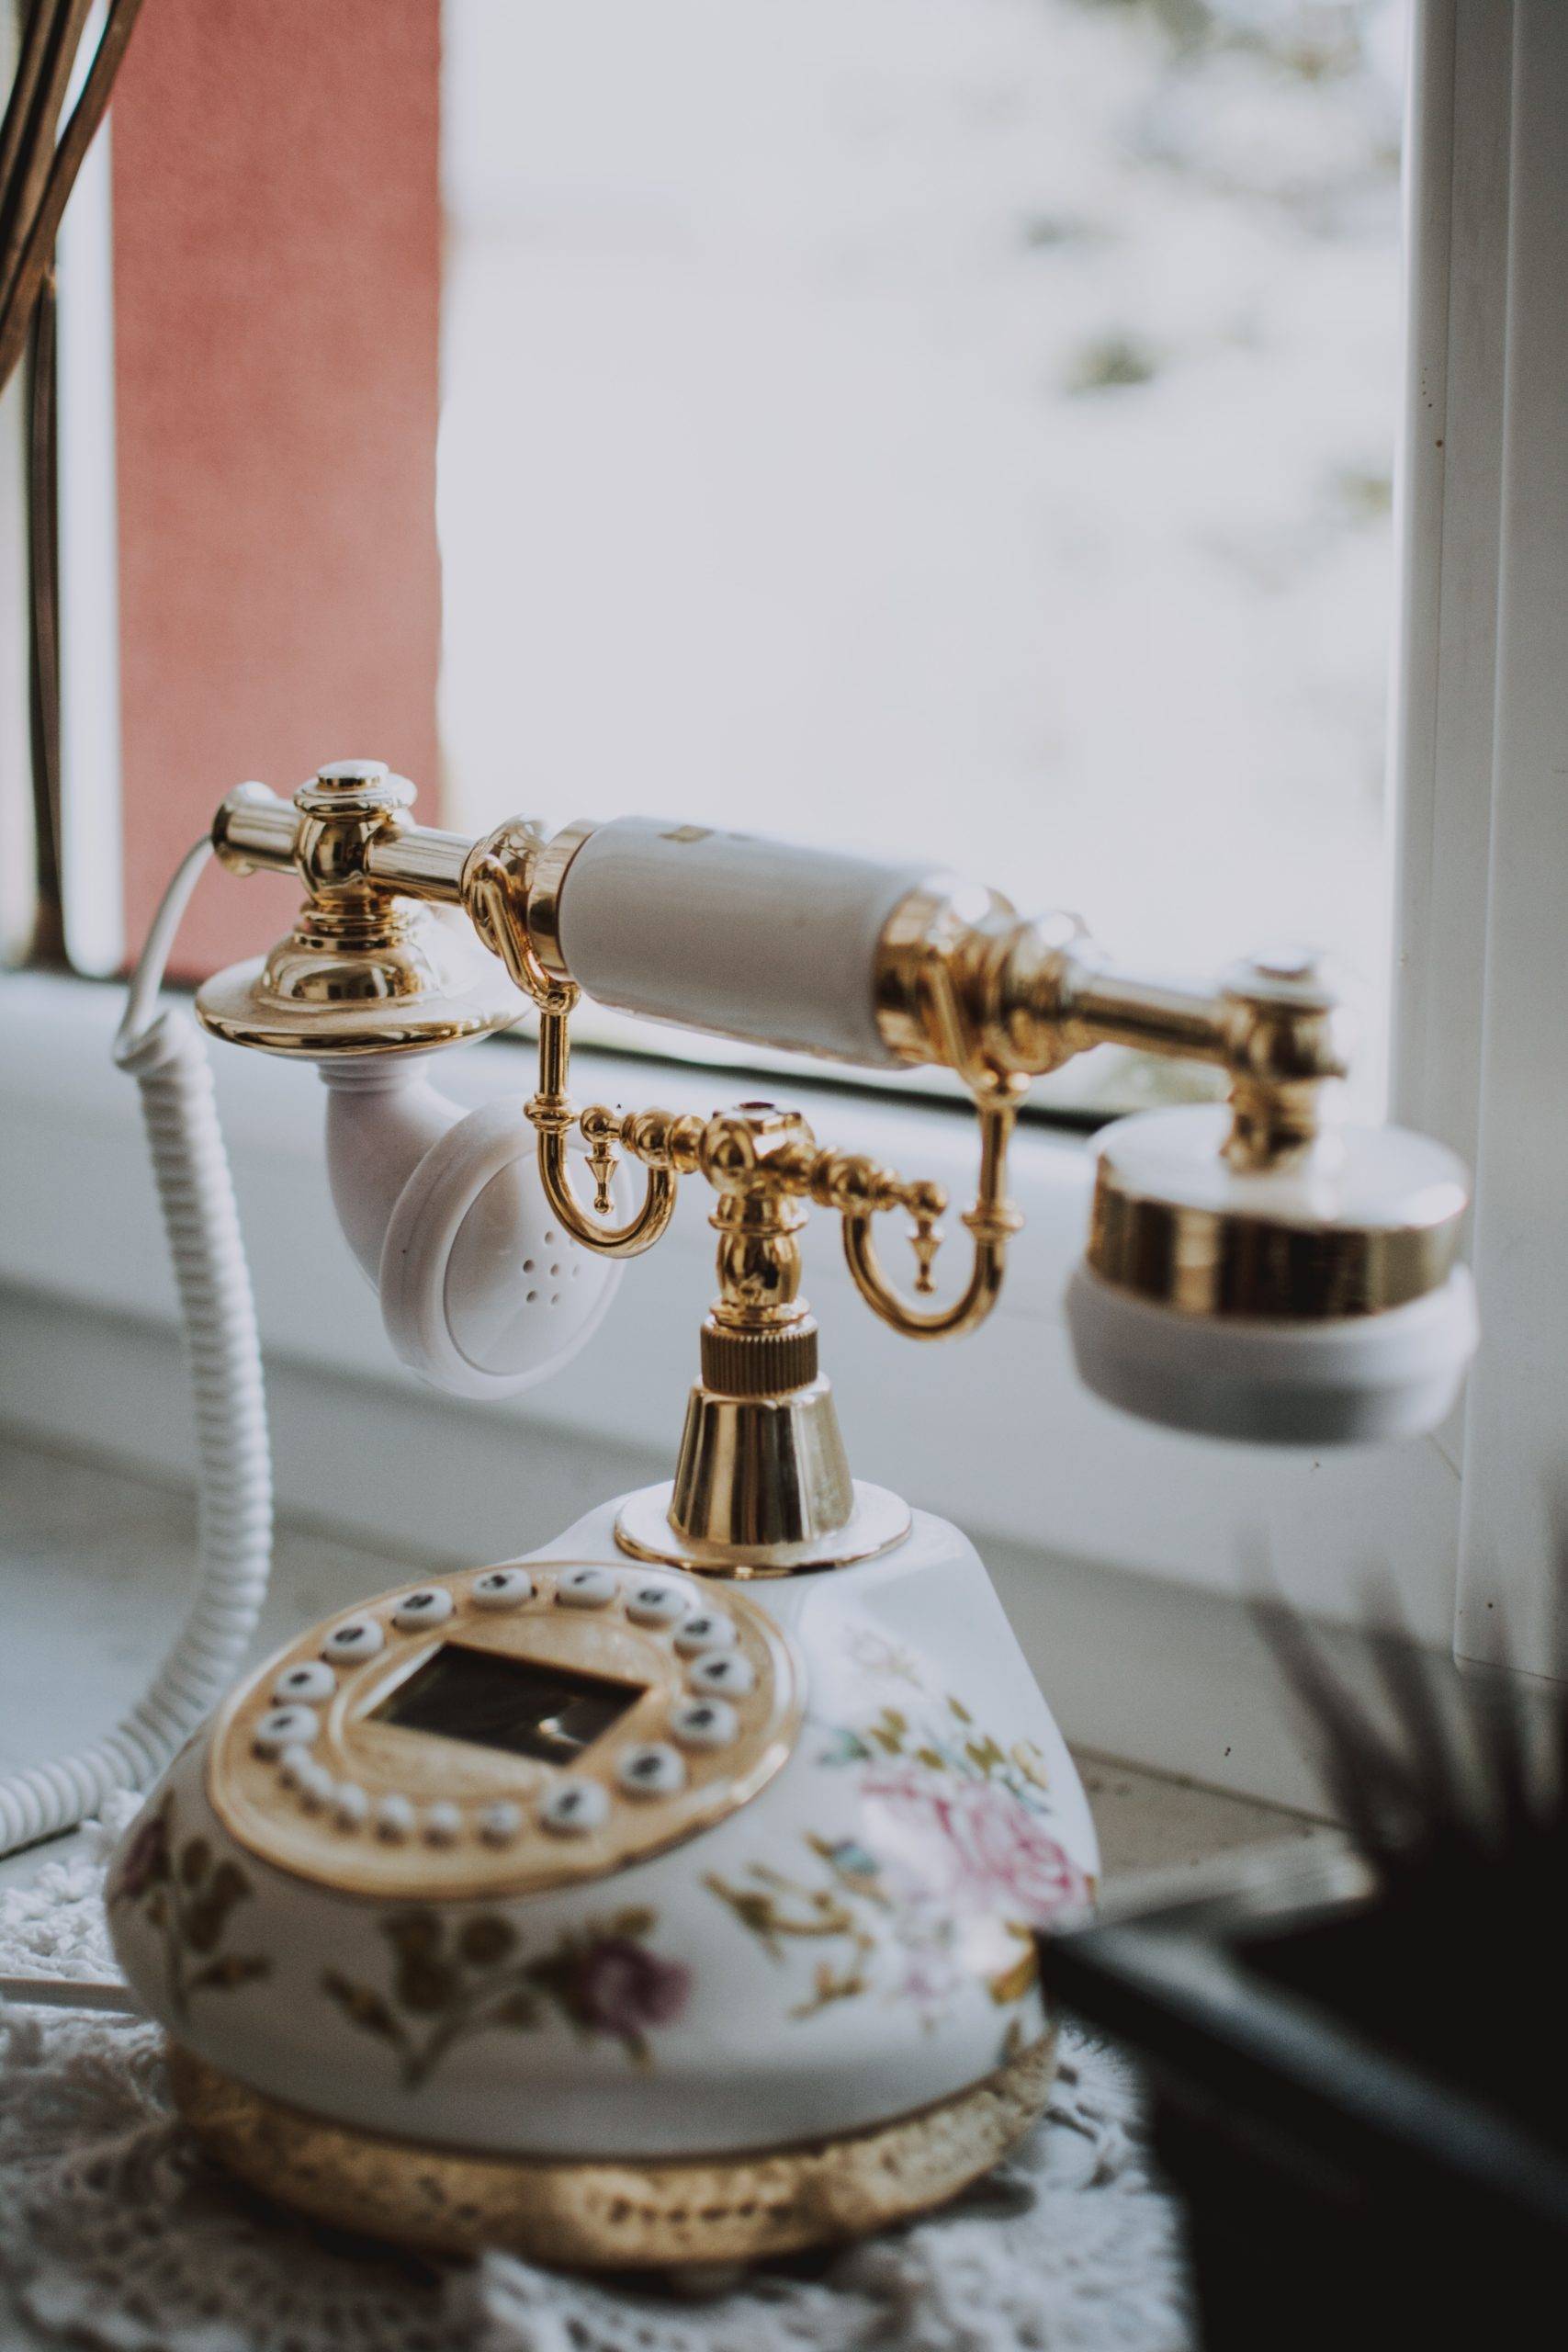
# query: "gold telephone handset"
{"type": "Point", "coordinates": [1267, 1210]}
{"type": "Point", "coordinates": [663, 1896]}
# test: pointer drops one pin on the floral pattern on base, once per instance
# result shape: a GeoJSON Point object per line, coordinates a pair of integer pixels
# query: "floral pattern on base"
{"type": "Point", "coordinates": [187, 1897]}
{"type": "Point", "coordinates": [957, 1831]}
{"type": "Point", "coordinates": [452, 1980]}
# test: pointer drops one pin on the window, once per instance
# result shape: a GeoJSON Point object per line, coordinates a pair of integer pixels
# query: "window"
{"type": "Point", "coordinates": [965, 429]}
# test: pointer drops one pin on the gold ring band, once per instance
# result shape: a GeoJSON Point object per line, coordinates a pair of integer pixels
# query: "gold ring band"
{"type": "Point", "coordinates": [1203, 1262]}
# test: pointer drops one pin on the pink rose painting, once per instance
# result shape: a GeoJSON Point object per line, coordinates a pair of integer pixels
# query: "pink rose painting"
{"type": "Point", "coordinates": [956, 1830]}
{"type": "Point", "coordinates": [988, 1844]}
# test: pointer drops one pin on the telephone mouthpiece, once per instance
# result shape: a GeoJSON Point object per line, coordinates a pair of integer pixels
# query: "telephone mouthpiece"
{"type": "Point", "coordinates": [1315, 1301]}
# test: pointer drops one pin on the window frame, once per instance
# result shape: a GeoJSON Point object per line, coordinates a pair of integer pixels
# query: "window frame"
{"type": "Point", "coordinates": [1512, 1056]}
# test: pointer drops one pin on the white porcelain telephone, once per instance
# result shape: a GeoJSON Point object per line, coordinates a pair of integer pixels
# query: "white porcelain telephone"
{"type": "Point", "coordinates": [670, 1895]}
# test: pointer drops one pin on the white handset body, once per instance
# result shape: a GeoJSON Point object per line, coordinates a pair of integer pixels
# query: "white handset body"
{"type": "Point", "coordinates": [482, 1294]}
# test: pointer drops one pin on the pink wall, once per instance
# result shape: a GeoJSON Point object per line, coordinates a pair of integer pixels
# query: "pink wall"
{"type": "Point", "coordinates": [277, 274]}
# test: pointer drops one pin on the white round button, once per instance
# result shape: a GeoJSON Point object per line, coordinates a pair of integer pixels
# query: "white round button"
{"type": "Point", "coordinates": [350, 1805]}
{"type": "Point", "coordinates": [355, 1638]}
{"type": "Point", "coordinates": [296, 1765]}
{"type": "Point", "coordinates": [502, 1589]}
{"type": "Point", "coordinates": [284, 1727]}
{"type": "Point", "coordinates": [394, 1818]}
{"type": "Point", "coordinates": [586, 1589]}
{"type": "Point", "coordinates": [501, 1823]}
{"type": "Point", "coordinates": [443, 1824]}
{"type": "Point", "coordinates": [650, 1771]}
{"type": "Point", "coordinates": [704, 1723]}
{"type": "Point", "coordinates": [707, 1631]}
{"type": "Point", "coordinates": [431, 1605]}
{"type": "Point", "coordinates": [574, 1807]}
{"type": "Point", "coordinates": [656, 1603]}
{"type": "Point", "coordinates": [722, 1670]}
{"type": "Point", "coordinates": [311, 1680]}
{"type": "Point", "coordinates": [314, 1783]}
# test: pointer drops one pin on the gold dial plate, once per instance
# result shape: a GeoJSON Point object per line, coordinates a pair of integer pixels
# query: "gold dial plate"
{"type": "Point", "coordinates": [692, 1701]}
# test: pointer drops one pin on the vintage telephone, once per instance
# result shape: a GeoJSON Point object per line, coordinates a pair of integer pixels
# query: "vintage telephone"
{"type": "Point", "coordinates": [669, 1896]}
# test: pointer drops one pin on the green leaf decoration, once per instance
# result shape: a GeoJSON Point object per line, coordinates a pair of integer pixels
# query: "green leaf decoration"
{"type": "Point", "coordinates": [204, 1925]}
{"type": "Point", "coordinates": [195, 1861]}
{"type": "Point", "coordinates": [427, 1986]}
{"type": "Point", "coordinates": [485, 1942]}
{"type": "Point", "coordinates": [361, 2006]}
{"type": "Point", "coordinates": [227, 1974]}
{"type": "Point", "coordinates": [846, 1748]}
{"type": "Point", "coordinates": [229, 1886]}
{"type": "Point", "coordinates": [413, 1935]}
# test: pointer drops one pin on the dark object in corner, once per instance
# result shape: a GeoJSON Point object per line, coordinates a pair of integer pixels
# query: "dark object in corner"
{"type": "Point", "coordinates": [1358, 2062]}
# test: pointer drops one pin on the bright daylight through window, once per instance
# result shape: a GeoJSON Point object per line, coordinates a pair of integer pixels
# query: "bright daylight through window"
{"type": "Point", "coordinates": [963, 427]}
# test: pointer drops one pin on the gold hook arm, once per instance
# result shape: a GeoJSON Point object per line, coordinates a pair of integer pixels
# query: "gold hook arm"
{"type": "Point", "coordinates": [992, 1221]}
{"type": "Point", "coordinates": [495, 887]}
{"type": "Point", "coordinates": [551, 1113]}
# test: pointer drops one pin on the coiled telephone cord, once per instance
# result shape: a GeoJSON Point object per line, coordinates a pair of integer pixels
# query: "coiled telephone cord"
{"type": "Point", "coordinates": [165, 1055]}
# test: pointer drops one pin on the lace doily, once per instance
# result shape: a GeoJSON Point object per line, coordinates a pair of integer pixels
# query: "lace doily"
{"type": "Point", "coordinates": [115, 2229]}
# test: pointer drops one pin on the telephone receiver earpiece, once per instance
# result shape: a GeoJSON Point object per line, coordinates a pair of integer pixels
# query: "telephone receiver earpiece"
{"type": "Point", "coordinates": [482, 1293]}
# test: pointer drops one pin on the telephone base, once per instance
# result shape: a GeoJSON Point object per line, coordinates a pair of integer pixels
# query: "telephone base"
{"type": "Point", "coordinates": [623, 2213]}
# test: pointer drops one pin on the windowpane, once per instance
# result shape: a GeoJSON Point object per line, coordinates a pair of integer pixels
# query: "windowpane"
{"type": "Point", "coordinates": [961, 428]}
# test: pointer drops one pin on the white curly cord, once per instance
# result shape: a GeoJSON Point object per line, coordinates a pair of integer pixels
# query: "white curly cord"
{"type": "Point", "coordinates": [164, 1054]}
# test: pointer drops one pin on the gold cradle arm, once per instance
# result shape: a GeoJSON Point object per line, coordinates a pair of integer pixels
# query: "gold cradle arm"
{"type": "Point", "coordinates": [856, 1188]}
{"type": "Point", "coordinates": [992, 1222]}
{"type": "Point", "coordinates": [495, 887]}
{"type": "Point", "coordinates": [551, 1113]}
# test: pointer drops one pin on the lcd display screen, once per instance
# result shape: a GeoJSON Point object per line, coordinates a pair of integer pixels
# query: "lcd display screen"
{"type": "Point", "coordinates": [520, 1705]}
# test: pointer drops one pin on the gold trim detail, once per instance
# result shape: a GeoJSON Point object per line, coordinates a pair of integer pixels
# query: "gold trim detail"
{"type": "Point", "coordinates": [645, 1529]}
{"type": "Point", "coordinates": [630, 2213]}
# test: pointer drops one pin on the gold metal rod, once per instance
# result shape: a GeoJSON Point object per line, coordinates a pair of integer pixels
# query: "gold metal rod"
{"type": "Point", "coordinates": [254, 833]}
{"type": "Point", "coordinates": [1109, 1008]}
{"type": "Point", "coordinates": [421, 862]}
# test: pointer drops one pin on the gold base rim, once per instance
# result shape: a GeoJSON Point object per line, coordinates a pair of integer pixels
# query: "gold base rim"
{"type": "Point", "coordinates": [614, 2214]}
{"type": "Point", "coordinates": [880, 1520]}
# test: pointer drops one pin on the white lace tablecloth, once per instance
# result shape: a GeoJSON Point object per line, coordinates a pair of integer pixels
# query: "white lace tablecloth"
{"type": "Point", "coordinates": [116, 2230]}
